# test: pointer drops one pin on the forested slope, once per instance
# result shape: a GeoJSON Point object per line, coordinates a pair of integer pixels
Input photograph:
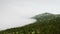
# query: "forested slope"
{"type": "Point", "coordinates": [46, 24]}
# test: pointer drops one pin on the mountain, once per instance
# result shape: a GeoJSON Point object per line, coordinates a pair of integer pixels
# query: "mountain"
{"type": "Point", "coordinates": [45, 16]}
{"type": "Point", "coordinates": [46, 23]}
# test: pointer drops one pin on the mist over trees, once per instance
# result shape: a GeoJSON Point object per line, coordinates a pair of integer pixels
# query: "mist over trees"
{"type": "Point", "coordinates": [46, 23]}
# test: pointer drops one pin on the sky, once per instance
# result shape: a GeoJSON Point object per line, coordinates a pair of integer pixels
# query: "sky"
{"type": "Point", "coordinates": [17, 13]}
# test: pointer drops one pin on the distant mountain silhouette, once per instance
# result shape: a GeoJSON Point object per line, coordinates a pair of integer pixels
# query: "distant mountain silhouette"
{"type": "Point", "coordinates": [46, 23]}
{"type": "Point", "coordinates": [45, 16]}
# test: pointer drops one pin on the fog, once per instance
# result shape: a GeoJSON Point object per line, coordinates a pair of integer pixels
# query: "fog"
{"type": "Point", "coordinates": [17, 13]}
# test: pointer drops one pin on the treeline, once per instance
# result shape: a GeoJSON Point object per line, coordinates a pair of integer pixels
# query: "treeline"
{"type": "Point", "coordinates": [48, 26]}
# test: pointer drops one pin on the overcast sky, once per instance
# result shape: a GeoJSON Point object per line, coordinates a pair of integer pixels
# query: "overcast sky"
{"type": "Point", "coordinates": [14, 13]}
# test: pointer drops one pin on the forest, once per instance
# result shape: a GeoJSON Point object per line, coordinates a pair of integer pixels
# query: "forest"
{"type": "Point", "coordinates": [46, 23]}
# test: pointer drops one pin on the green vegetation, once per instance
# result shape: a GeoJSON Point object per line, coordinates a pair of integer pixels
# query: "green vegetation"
{"type": "Point", "coordinates": [46, 24]}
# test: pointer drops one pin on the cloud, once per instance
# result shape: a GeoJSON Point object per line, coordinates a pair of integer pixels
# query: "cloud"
{"type": "Point", "coordinates": [14, 13]}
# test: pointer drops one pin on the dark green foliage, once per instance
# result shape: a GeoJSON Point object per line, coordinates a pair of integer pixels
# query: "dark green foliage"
{"type": "Point", "coordinates": [48, 24]}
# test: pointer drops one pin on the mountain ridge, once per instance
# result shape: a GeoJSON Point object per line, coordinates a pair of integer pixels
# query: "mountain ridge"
{"type": "Point", "coordinates": [45, 26]}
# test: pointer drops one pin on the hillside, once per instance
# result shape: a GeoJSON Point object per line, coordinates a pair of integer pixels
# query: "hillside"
{"type": "Point", "coordinates": [46, 23]}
